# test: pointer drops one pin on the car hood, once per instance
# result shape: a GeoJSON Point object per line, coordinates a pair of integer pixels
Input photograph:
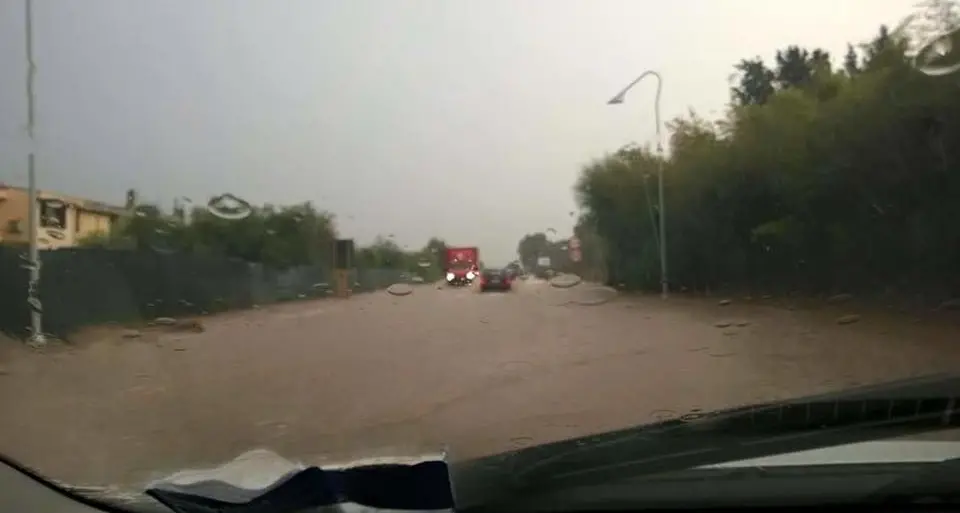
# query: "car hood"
{"type": "Point", "coordinates": [259, 469]}
{"type": "Point", "coordinates": [879, 452]}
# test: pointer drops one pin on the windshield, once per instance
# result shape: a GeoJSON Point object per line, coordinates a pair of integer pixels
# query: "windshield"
{"type": "Point", "coordinates": [243, 217]}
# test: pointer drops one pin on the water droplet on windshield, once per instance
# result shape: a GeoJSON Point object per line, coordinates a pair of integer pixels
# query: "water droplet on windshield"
{"type": "Point", "coordinates": [662, 415]}
{"type": "Point", "coordinates": [143, 210]}
{"type": "Point", "coordinates": [937, 56]}
{"type": "Point", "coordinates": [400, 289]}
{"type": "Point", "coordinates": [565, 281]}
{"type": "Point", "coordinates": [592, 295]}
{"type": "Point", "coordinates": [228, 206]}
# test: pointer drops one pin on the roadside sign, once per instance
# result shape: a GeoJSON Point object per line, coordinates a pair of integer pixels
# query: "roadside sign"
{"type": "Point", "coordinates": [574, 242]}
{"type": "Point", "coordinates": [575, 254]}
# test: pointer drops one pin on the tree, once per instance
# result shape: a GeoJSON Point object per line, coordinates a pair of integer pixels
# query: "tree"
{"type": "Point", "coordinates": [531, 247]}
{"type": "Point", "coordinates": [851, 61]}
{"type": "Point", "coordinates": [434, 252]}
{"type": "Point", "coordinates": [815, 180]}
{"type": "Point", "coordinates": [276, 236]}
{"type": "Point", "coordinates": [536, 245]}
{"type": "Point", "coordinates": [755, 83]}
{"type": "Point", "coordinates": [383, 253]}
{"type": "Point", "coordinates": [794, 68]}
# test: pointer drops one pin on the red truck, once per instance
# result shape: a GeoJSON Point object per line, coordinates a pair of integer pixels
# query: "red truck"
{"type": "Point", "coordinates": [461, 265]}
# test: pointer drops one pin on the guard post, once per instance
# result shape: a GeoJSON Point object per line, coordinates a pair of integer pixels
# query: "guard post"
{"type": "Point", "coordinates": [342, 263]}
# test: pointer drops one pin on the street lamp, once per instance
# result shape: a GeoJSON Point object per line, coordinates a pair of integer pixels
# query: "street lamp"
{"type": "Point", "coordinates": [662, 236]}
{"type": "Point", "coordinates": [37, 337]}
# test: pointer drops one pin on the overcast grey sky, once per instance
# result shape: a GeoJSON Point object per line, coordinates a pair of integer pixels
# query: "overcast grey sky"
{"type": "Point", "coordinates": [396, 115]}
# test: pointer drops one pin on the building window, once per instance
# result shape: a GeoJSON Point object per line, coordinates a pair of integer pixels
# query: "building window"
{"type": "Point", "coordinates": [14, 226]}
{"type": "Point", "coordinates": [53, 214]}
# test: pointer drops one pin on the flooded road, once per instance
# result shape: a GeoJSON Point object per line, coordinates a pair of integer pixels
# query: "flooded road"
{"type": "Point", "coordinates": [441, 368]}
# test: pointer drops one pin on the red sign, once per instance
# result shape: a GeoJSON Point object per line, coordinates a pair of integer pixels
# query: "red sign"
{"type": "Point", "coordinates": [575, 254]}
{"type": "Point", "coordinates": [574, 242]}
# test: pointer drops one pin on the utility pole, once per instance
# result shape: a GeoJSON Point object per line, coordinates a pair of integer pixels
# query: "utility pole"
{"type": "Point", "coordinates": [33, 217]}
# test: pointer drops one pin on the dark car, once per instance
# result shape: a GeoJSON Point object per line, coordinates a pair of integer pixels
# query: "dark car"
{"type": "Point", "coordinates": [495, 279]}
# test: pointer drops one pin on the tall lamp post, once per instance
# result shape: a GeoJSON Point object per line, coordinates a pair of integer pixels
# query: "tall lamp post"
{"type": "Point", "coordinates": [662, 235]}
{"type": "Point", "coordinates": [33, 215]}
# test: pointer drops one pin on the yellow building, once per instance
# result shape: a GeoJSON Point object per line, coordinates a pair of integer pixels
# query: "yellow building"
{"type": "Point", "coordinates": [64, 220]}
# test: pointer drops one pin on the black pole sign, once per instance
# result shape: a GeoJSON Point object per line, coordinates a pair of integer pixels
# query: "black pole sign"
{"type": "Point", "coordinates": [343, 254]}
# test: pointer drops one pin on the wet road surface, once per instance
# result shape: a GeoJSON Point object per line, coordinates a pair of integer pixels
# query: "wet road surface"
{"type": "Point", "coordinates": [378, 374]}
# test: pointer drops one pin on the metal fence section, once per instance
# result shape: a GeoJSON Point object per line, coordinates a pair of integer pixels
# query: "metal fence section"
{"type": "Point", "coordinates": [14, 280]}
{"type": "Point", "coordinates": [367, 280]}
{"type": "Point", "coordinates": [89, 286]}
{"type": "Point", "coordinates": [273, 285]}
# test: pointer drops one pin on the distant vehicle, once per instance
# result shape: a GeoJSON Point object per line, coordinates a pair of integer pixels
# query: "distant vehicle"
{"type": "Point", "coordinates": [514, 270]}
{"type": "Point", "coordinates": [461, 265]}
{"type": "Point", "coordinates": [496, 279]}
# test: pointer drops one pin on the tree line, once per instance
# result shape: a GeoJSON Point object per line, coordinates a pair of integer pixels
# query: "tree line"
{"type": "Point", "coordinates": [277, 236]}
{"type": "Point", "coordinates": [533, 246]}
{"type": "Point", "coordinates": [821, 177]}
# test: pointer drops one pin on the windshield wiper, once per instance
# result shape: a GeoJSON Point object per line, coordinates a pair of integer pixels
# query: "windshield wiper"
{"type": "Point", "coordinates": [857, 415]}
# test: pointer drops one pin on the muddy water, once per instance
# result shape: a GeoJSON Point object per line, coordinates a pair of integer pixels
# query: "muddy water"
{"type": "Point", "coordinates": [478, 373]}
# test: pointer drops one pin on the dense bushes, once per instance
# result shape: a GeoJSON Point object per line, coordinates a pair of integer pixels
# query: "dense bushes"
{"type": "Point", "coordinates": [818, 179]}
{"type": "Point", "coordinates": [277, 237]}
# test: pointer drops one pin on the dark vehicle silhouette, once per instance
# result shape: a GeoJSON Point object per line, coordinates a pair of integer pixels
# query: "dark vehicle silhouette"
{"type": "Point", "coordinates": [496, 279]}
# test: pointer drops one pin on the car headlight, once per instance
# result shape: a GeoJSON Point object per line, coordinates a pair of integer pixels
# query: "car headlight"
{"type": "Point", "coordinates": [470, 275]}
{"type": "Point", "coordinates": [450, 276]}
